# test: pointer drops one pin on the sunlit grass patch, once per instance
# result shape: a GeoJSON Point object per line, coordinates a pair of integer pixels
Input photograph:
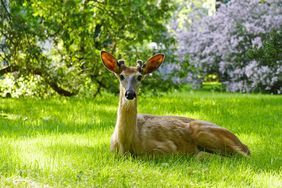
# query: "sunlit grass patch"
{"type": "Point", "coordinates": [64, 142]}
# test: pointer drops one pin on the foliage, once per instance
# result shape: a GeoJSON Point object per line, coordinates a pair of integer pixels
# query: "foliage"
{"type": "Point", "coordinates": [173, 72]}
{"type": "Point", "coordinates": [188, 12]}
{"type": "Point", "coordinates": [64, 142]}
{"type": "Point", "coordinates": [33, 86]}
{"type": "Point", "coordinates": [241, 43]}
{"type": "Point", "coordinates": [60, 41]}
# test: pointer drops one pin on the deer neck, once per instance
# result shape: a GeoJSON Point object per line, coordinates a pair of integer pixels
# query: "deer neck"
{"type": "Point", "coordinates": [126, 122]}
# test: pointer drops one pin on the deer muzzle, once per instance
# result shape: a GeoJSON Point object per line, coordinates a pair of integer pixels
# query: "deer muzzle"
{"type": "Point", "coordinates": [130, 94]}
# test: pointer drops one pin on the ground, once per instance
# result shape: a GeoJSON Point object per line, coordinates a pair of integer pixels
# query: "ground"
{"type": "Point", "coordinates": [64, 142]}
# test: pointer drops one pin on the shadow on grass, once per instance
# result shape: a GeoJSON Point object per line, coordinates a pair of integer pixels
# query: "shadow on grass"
{"type": "Point", "coordinates": [262, 160]}
{"type": "Point", "coordinates": [27, 124]}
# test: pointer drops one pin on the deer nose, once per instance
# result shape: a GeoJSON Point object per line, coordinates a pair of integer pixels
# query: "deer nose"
{"type": "Point", "coordinates": [130, 94]}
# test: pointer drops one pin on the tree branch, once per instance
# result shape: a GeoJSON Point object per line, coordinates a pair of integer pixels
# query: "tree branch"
{"type": "Point", "coordinates": [60, 90]}
{"type": "Point", "coordinates": [12, 68]}
{"type": "Point", "coordinates": [51, 83]}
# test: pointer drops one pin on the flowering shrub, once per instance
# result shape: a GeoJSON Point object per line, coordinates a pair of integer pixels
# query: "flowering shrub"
{"type": "Point", "coordinates": [241, 43]}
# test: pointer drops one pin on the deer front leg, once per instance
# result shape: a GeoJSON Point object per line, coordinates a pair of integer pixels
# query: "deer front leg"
{"type": "Point", "coordinates": [212, 138]}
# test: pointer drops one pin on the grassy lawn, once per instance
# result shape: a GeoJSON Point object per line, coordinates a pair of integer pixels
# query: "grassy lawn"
{"type": "Point", "coordinates": [65, 143]}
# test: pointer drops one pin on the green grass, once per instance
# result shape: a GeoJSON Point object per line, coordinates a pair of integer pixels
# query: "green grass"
{"type": "Point", "coordinates": [65, 143]}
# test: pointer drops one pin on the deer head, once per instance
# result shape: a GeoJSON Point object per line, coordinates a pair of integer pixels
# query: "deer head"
{"type": "Point", "coordinates": [131, 77]}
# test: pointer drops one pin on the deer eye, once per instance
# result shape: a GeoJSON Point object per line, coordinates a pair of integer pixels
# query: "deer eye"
{"type": "Point", "coordinates": [121, 77]}
{"type": "Point", "coordinates": [139, 77]}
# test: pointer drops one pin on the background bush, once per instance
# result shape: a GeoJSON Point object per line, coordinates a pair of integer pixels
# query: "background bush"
{"type": "Point", "coordinates": [53, 47]}
{"type": "Point", "coordinates": [241, 43]}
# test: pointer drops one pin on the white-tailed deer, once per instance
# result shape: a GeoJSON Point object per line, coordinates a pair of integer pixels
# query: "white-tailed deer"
{"type": "Point", "coordinates": [148, 134]}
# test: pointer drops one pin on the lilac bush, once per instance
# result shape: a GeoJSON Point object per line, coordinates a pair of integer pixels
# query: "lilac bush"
{"type": "Point", "coordinates": [239, 44]}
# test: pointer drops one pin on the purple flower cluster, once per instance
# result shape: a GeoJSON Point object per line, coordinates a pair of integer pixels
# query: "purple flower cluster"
{"type": "Point", "coordinates": [219, 44]}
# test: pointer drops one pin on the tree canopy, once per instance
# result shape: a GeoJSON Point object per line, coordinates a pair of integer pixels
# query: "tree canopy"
{"type": "Point", "coordinates": [59, 42]}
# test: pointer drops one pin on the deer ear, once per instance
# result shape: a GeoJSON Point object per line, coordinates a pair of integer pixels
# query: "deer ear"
{"type": "Point", "coordinates": [110, 62]}
{"type": "Point", "coordinates": [153, 63]}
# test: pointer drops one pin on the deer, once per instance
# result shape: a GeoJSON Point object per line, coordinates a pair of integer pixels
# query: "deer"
{"type": "Point", "coordinates": [140, 134]}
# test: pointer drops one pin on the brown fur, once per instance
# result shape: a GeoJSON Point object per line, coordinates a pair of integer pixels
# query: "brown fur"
{"type": "Point", "coordinates": [148, 134]}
